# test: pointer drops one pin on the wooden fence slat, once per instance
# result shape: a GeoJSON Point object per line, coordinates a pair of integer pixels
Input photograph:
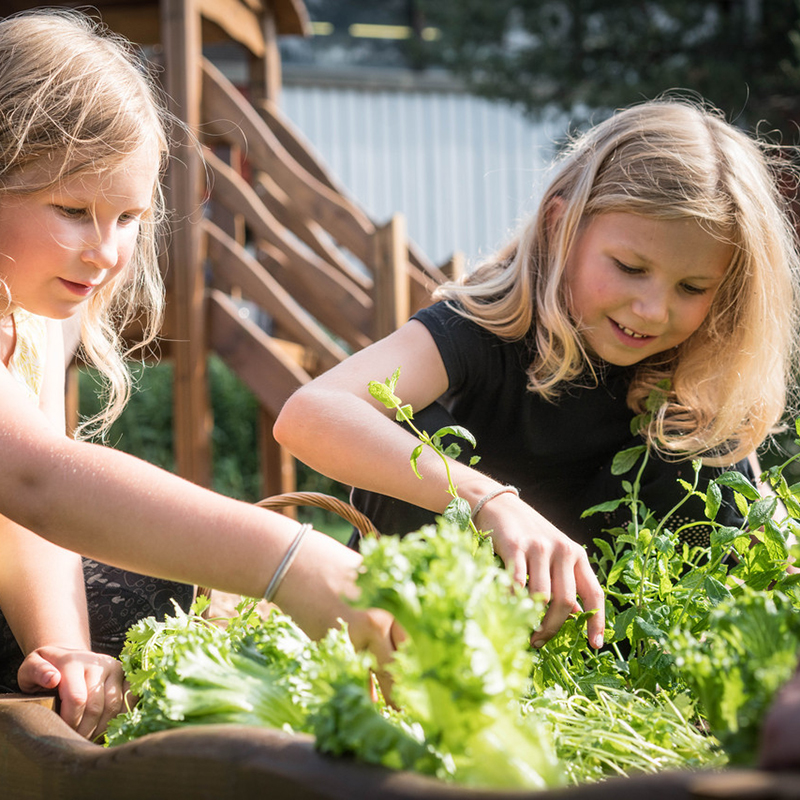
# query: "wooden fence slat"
{"type": "Point", "coordinates": [228, 115]}
{"type": "Point", "coordinates": [232, 265]}
{"type": "Point", "coordinates": [295, 219]}
{"type": "Point", "coordinates": [297, 147]}
{"type": "Point", "coordinates": [323, 285]}
{"type": "Point", "coordinates": [392, 290]}
{"type": "Point", "coordinates": [259, 362]}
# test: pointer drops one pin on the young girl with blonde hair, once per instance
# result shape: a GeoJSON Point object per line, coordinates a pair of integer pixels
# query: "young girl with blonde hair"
{"type": "Point", "coordinates": [663, 251]}
{"type": "Point", "coordinates": [83, 143]}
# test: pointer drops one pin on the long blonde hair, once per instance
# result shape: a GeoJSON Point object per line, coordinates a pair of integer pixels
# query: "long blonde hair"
{"type": "Point", "coordinates": [665, 159]}
{"type": "Point", "coordinates": [74, 99]}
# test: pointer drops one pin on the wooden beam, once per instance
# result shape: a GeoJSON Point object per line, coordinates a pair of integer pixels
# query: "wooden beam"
{"type": "Point", "coordinates": [307, 230]}
{"type": "Point", "coordinates": [332, 297]}
{"type": "Point", "coordinates": [181, 37]}
{"type": "Point", "coordinates": [238, 21]}
{"type": "Point", "coordinates": [228, 115]}
{"type": "Point", "coordinates": [232, 265]}
{"type": "Point", "coordinates": [260, 364]}
{"type": "Point", "coordinates": [392, 298]}
{"type": "Point", "coordinates": [266, 73]}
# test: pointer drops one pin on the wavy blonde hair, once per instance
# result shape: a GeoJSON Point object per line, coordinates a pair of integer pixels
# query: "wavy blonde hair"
{"type": "Point", "coordinates": [668, 159]}
{"type": "Point", "coordinates": [75, 98]}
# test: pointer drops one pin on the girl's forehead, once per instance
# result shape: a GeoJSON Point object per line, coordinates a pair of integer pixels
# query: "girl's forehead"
{"type": "Point", "coordinates": [132, 174]}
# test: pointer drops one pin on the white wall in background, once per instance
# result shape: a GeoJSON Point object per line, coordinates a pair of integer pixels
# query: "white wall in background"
{"type": "Point", "coordinates": [463, 170]}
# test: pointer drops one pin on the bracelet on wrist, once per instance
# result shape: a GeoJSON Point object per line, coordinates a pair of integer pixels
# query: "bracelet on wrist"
{"type": "Point", "coordinates": [283, 567]}
{"type": "Point", "coordinates": [490, 496]}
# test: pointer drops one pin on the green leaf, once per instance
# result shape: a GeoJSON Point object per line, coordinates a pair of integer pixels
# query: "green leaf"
{"type": "Point", "coordinates": [452, 451]}
{"type": "Point", "coordinates": [775, 541]}
{"type": "Point", "coordinates": [600, 508]}
{"type": "Point", "coordinates": [458, 512]}
{"type": "Point", "coordinates": [645, 628]}
{"type": "Point", "coordinates": [456, 430]}
{"type": "Point", "coordinates": [414, 457]}
{"type": "Point", "coordinates": [736, 481]}
{"type": "Point", "coordinates": [761, 511]}
{"type": "Point", "coordinates": [716, 591]}
{"type": "Point", "coordinates": [625, 459]}
{"type": "Point", "coordinates": [713, 500]}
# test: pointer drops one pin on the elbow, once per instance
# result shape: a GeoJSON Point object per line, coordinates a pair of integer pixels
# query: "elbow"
{"type": "Point", "coordinates": [291, 421]}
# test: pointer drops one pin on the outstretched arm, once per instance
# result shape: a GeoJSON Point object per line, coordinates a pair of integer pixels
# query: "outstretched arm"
{"type": "Point", "coordinates": [118, 509]}
{"type": "Point", "coordinates": [338, 429]}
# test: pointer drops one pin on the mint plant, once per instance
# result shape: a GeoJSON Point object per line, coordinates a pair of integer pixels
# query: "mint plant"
{"type": "Point", "coordinates": [457, 510]}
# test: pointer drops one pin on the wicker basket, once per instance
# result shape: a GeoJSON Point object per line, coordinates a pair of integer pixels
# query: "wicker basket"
{"type": "Point", "coordinates": [325, 502]}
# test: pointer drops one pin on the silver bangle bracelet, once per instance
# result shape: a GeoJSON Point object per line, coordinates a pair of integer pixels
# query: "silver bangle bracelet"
{"type": "Point", "coordinates": [490, 496]}
{"type": "Point", "coordinates": [283, 567]}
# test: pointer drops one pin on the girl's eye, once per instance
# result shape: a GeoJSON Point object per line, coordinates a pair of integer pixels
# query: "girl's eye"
{"type": "Point", "coordinates": [693, 290]}
{"type": "Point", "coordinates": [626, 269]}
{"type": "Point", "coordinates": [130, 218]}
{"type": "Point", "coordinates": [71, 212]}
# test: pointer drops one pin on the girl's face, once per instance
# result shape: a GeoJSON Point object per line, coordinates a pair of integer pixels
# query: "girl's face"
{"type": "Point", "coordinates": [638, 286]}
{"type": "Point", "coordinates": [60, 246]}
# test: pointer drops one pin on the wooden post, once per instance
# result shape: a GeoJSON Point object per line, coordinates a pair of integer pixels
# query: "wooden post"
{"type": "Point", "coordinates": [278, 467]}
{"type": "Point", "coordinates": [182, 41]}
{"type": "Point", "coordinates": [392, 293]}
{"type": "Point", "coordinates": [455, 267]}
{"type": "Point", "coordinates": [265, 71]}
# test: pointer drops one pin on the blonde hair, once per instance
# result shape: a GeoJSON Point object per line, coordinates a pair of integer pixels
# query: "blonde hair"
{"type": "Point", "coordinates": [75, 99]}
{"type": "Point", "coordinates": [665, 159]}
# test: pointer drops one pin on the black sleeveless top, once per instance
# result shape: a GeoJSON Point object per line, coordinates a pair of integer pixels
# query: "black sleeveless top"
{"type": "Point", "coordinates": [558, 454]}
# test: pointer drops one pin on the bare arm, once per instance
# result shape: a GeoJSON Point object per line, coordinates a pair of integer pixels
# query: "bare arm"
{"type": "Point", "coordinates": [334, 426]}
{"type": "Point", "coordinates": [44, 603]}
{"type": "Point", "coordinates": [120, 510]}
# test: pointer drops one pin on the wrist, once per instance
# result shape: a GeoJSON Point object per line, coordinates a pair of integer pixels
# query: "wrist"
{"type": "Point", "coordinates": [491, 495]}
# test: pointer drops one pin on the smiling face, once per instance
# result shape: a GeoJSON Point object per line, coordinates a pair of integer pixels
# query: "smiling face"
{"type": "Point", "coordinates": [638, 286]}
{"type": "Point", "coordinates": [60, 246]}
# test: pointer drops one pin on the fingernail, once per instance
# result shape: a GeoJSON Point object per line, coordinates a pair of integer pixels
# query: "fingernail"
{"type": "Point", "coordinates": [598, 641]}
{"type": "Point", "coordinates": [538, 643]}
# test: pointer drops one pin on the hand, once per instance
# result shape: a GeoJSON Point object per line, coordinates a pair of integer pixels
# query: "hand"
{"type": "Point", "coordinates": [552, 565]}
{"type": "Point", "coordinates": [90, 685]}
{"type": "Point", "coordinates": [780, 733]}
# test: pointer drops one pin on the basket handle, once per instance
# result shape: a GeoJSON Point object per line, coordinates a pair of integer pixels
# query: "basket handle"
{"type": "Point", "coordinates": [326, 502]}
{"type": "Point", "coordinates": [319, 500]}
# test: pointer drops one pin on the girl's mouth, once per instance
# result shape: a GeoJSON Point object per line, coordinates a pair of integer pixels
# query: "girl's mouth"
{"type": "Point", "coordinates": [79, 289]}
{"type": "Point", "coordinates": [628, 335]}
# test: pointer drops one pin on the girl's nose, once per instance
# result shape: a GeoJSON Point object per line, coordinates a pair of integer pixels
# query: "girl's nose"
{"type": "Point", "coordinates": [652, 306]}
{"type": "Point", "coordinates": [101, 250]}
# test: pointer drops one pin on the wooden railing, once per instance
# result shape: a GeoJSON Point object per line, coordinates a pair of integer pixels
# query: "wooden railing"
{"type": "Point", "coordinates": [282, 235]}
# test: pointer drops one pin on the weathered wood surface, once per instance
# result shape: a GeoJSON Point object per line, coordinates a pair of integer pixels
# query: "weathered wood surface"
{"type": "Point", "coordinates": [43, 759]}
{"type": "Point", "coordinates": [255, 357]}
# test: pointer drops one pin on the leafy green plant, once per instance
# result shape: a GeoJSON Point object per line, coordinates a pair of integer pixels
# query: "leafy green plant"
{"type": "Point", "coordinates": [698, 641]}
{"type": "Point", "coordinates": [457, 510]}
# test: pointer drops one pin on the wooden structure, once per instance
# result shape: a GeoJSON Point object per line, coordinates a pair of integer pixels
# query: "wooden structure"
{"type": "Point", "coordinates": [257, 218]}
{"type": "Point", "coordinates": [41, 757]}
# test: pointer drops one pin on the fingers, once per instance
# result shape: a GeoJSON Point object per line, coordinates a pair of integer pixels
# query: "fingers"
{"type": "Point", "coordinates": [558, 570]}
{"type": "Point", "coordinates": [562, 603]}
{"type": "Point", "coordinates": [90, 685]}
{"type": "Point", "coordinates": [36, 674]}
{"type": "Point", "coordinates": [591, 592]}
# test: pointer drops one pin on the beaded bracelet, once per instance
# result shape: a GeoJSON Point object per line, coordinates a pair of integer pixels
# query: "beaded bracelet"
{"type": "Point", "coordinates": [490, 496]}
{"type": "Point", "coordinates": [283, 567]}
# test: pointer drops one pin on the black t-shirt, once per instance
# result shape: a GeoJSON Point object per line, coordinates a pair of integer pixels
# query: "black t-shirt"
{"type": "Point", "coordinates": [557, 453]}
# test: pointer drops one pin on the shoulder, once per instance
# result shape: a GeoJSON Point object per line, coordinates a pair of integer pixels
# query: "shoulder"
{"type": "Point", "coordinates": [469, 351]}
